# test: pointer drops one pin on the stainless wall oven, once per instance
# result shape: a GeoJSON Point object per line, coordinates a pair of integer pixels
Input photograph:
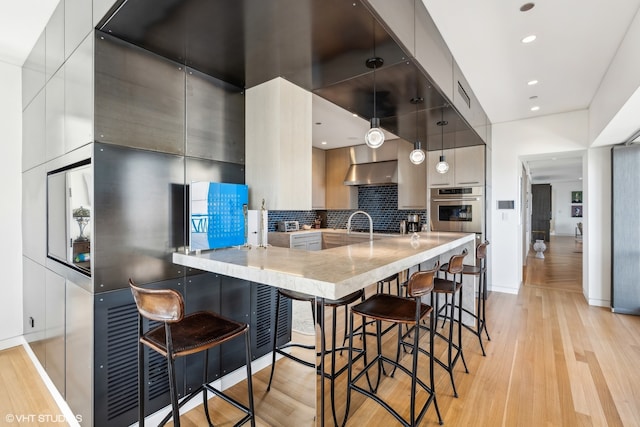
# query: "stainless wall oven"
{"type": "Point", "coordinates": [458, 209]}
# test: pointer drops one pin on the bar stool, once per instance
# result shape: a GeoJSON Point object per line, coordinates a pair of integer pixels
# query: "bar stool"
{"type": "Point", "coordinates": [450, 288]}
{"type": "Point", "coordinates": [182, 335]}
{"type": "Point", "coordinates": [317, 311]}
{"type": "Point", "coordinates": [479, 270]}
{"type": "Point", "coordinates": [400, 311]}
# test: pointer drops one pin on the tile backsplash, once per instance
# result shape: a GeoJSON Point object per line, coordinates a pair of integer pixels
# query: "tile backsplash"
{"type": "Point", "coordinates": [381, 202]}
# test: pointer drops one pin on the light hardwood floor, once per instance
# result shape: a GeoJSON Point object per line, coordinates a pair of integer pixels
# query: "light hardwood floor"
{"type": "Point", "coordinates": [553, 361]}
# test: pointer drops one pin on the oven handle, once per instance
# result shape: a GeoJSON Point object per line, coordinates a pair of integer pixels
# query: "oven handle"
{"type": "Point", "coordinates": [470, 199]}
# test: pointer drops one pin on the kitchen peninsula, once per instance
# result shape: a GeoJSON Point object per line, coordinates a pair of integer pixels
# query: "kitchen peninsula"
{"type": "Point", "coordinates": [336, 272]}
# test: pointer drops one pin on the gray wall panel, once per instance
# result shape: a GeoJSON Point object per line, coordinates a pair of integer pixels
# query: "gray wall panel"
{"type": "Point", "coordinates": [34, 133]}
{"type": "Point", "coordinates": [55, 41]}
{"type": "Point", "coordinates": [139, 216]}
{"type": "Point", "coordinates": [34, 214]}
{"type": "Point", "coordinates": [215, 119]}
{"type": "Point", "coordinates": [139, 97]}
{"type": "Point", "coordinates": [54, 333]}
{"type": "Point", "coordinates": [625, 249]}
{"type": "Point", "coordinates": [54, 115]}
{"type": "Point", "coordinates": [78, 90]}
{"type": "Point", "coordinates": [33, 71]}
{"type": "Point", "coordinates": [78, 22]}
{"type": "Point", "coordinates": [79, 352]}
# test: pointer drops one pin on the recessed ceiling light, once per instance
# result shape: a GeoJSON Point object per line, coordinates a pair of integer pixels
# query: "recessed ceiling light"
{"type": "Point", "coordinates": [535, 108]}
{"type": "Point", "coordinates": [580, 178]}
{"type": "Point", "coordinates": [532, 82]}
{"type": "Point", "coordinates": [355, 115]}
{"type": "Point", "coordinates": [527, 7]}
{"type": "Point", "coordinates": [529, 39]}
{"type": "Point", "coordinates": [324, 143]}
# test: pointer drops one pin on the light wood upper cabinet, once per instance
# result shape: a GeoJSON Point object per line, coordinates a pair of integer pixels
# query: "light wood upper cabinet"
{"type": "Point", "coordinates": [466, 167]}
{"type": "Point", "coordinates": [318, 179]}
{"type": "Point", "coordinates": [338, 195]}
{"type": "Point", "coordinates": [412, 179]}
{"type": "Point", "coordinates": [278, 146]}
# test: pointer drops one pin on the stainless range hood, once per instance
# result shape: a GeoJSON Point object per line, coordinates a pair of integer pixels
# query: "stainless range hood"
{"type": "Point", "coordinates": [379, 173]}
{"type": "Point", "coordinates": [373, 166]}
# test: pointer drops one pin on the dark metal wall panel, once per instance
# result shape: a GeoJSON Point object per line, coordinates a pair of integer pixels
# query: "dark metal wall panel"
{"type": "Point", "coordinates": [263, 306]}
{"type": "Point", "coordinates": [236, 295]}
{"type": "Point", "coordinates": [140, 97]}
{"type": "Point", "coordinates": [139, 216]}
{"type": "Point", "coordinates": [215, 119]}
{"type": "Point", "coordinates": [625, 249]}
{"type": "Point", "coordinates": [202, 294]}
{"type": "Point", "coordinates": [116, 358]}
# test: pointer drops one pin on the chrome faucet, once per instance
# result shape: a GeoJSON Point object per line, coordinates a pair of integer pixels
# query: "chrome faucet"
{"type": "Point", "coordinates": [370, 223]}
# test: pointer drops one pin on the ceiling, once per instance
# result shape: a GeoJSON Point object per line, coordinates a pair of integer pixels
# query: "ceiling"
{"type": "Point", "coordinates": [576, 41]}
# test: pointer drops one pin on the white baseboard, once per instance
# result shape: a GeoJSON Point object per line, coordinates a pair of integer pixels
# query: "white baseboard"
{"type": "Point", "coordinates": [69, 416]}
{"type": "Point", "coordinates": [599, 302]}
{"type": "Point", "coordinates": [11, 342]}
{"type": "Point", "coordinates": [504, 289]}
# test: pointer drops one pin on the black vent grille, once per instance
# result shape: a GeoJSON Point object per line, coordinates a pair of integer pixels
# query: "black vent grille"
{"type": "Point", "coordinates": [284, 327]}
{"type": "Point", "coordinates": [263, 315]}
{"type": "Point", "coordinates": [122, 363]}
{"type": "Point", "coordinates": [122, 367]}
{"type": "Point", "coordinates": [464, 95]}
{"type": "Point", "coordinates": [158, 381]}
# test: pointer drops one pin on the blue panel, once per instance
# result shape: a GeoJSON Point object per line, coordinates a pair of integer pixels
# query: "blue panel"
{"type": "Point", "coordinates": [217, 214]}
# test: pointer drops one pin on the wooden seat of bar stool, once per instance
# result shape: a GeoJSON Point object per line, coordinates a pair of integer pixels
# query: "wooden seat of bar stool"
{"type": "Point", "coordinates": [181, 335]}
{"type": "Point", "coordinates": [383, 307]}
{"type": "Point", "coordinates": [479, 270]}
{"type": "Point", "coordinates": [450, 287]}
{"type": "Point", "coordinates": [316, 310]}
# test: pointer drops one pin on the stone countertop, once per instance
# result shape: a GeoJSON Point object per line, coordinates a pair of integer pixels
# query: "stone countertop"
{"type": "Point", "coordinates": [331, 273]}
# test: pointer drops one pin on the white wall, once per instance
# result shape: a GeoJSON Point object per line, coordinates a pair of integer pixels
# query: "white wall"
{"type": "Point", "coordinates": [596, 272]}
{"type": "Point", "coordinates": [11, 211]}
{"type": "Point", "coordinates": [563, 223]}
{"type": "Point", "coordinates": [511, 141]}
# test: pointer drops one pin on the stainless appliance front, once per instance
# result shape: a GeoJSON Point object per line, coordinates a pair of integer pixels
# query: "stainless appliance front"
{"type": "Point", "coordinates": [458, 209]}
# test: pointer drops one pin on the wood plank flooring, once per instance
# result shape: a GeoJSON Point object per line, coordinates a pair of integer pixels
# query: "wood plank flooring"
{"type": "Point", "coordinates": [552, 361]}
{"type": "Point", "coordinates": [24, 398]}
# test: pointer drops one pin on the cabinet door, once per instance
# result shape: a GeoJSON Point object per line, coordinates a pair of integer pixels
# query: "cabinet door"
{"type": "Point", "coordinates": [469, 168]}
{"type": "Point", "coordinates": [315, 245]}
{"type": "Point", "coordinates": [318, 179]}
{"type": "Point", "coordinates": [339, 196]}
{"type": "Point", "coordinates": [412, 180]}
{"type": "Point", "coordinates": [440, 179]}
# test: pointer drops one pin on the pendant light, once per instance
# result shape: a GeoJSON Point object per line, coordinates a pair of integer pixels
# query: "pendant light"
{"type": "Point", "coordinates": [374, 137]}
{"type": "Point", "coordinates": [417, 156]}
{"type": "Point", "coordinates": [442, 166]}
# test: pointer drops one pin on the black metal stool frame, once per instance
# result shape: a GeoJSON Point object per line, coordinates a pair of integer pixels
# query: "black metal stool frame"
{"type": "Point", "coordinates": [317, 307]}
{"type": "Point", "coordinates": [204, 387]}
{"type": "Point", "coordinates": [420, 313]}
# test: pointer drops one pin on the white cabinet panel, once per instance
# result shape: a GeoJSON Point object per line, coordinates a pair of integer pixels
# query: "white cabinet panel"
{"type": "Point", "coordinates": [318, 179]}
{"type": "Point", "coordinates": [34, 133]}
{"type": "Point", "coordinates": [307, 241]}
{"type": "Point", "coordinates": [78, 23]}
{"type": "Point", "coordinates": [412, 179]}
{"type": "Point", "coordinates": [278, 146]}
{"type": "Point", "coordinates": [54, 91]}
{"type": "Point", "coordinates": [78, 94]}
{"type": "Point", "coordinates": [466, 167]}
{"type": "Point", "coordinates": [55, 41]}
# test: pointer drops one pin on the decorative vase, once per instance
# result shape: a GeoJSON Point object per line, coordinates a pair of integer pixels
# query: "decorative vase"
{"type": "Point", "coordinates": [539, 247]}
